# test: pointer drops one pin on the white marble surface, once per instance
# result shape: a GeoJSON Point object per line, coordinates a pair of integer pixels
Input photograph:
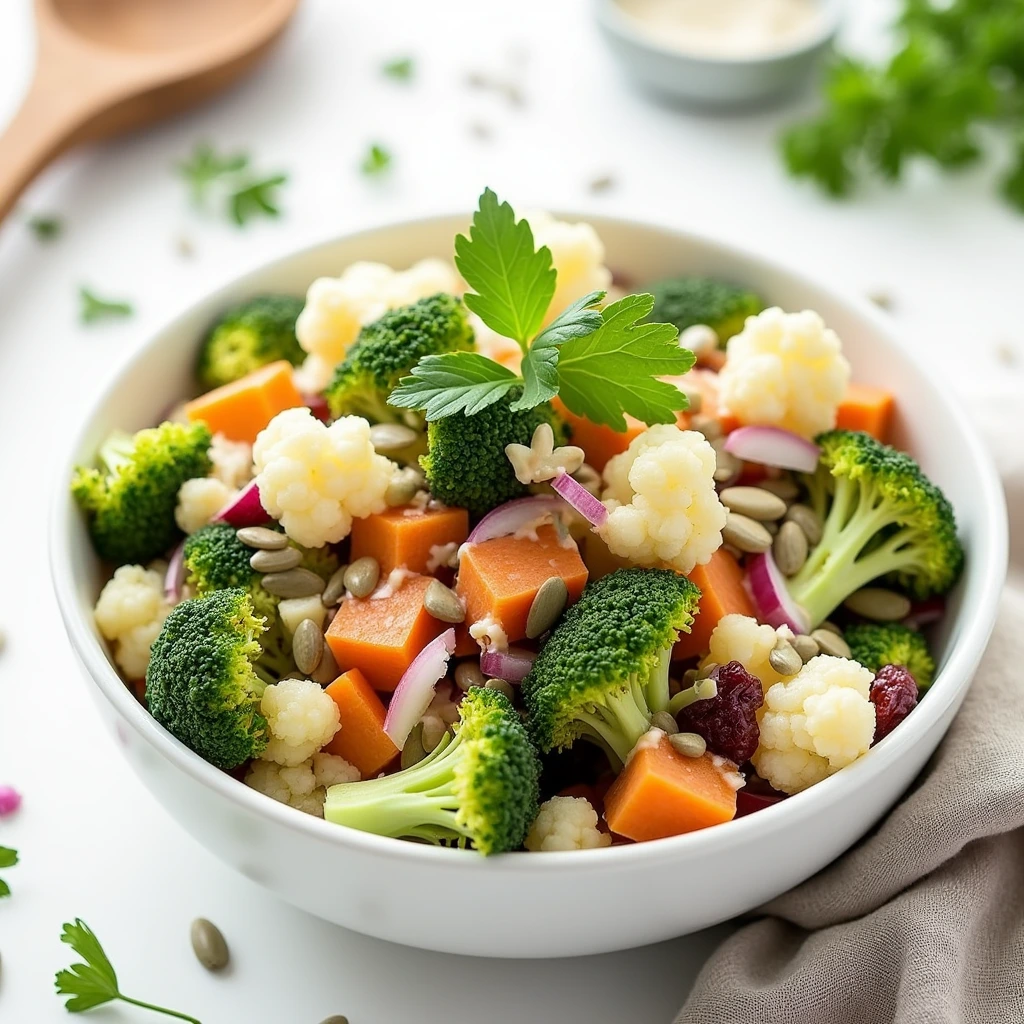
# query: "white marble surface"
{"type": "Point", "coordinates": [92, 843]}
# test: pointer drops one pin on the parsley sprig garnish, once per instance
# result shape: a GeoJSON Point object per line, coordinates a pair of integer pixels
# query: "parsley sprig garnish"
{"type": "Point", "coordinates": [377, 161]}
{"type": "Point", "coordinates": [401, 69]}
{"type": "Point", "coordinates": [229, 178]}
{"type": "Point", "coordinates": [8, 858]}
{"type": "Point", "coordinates": [45, 226]}
{"type": "Point", "coordinates": [603, 363]}
{"type": "Point", "coordinates": [94, 982]}
{"type": "Point", "coordinates": [92, 308]}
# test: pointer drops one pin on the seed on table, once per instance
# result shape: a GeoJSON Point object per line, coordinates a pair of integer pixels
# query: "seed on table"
{"type": "Point", "coordinates": [307, 646]}
{"type": "Point", "coordinates": [808, 520]}
{"type": "Point", "coordinates": [335, 589]}
{"type": "Point", "coordinates": [443, 603]}
{"type": "Point", "coordinates": [502, 686]}
{"type": "Point", "coordinates": [208, 945]}
{"type": "Point", "coordinates": [753, 502]}
{"type": "Point", "coordinates": [784, 658]}
{"type": "Point", "coordinates": [362, 576]}
{"type": "Point", "coordinates": [327, 671]}
{"type": "Point", "coordinates": [548, 605]}
{"type": "Point", "coordinates": [468, 675]}
{"type": "Point", "coordinates": [293, 583]}
{"type": "Point", "coordinates": [879, 604]}
{"type": "Point", "coordinates": [280, 560]}
{"type": "Point", "coordinates": [263, 538]}
{"type": "Point", "coordinates": [710, 427]}
{"type": "Point", "coordinates": [831, 643]}
{"type": "Point", "coordinates": [746, 534]}
{"type": "Point", "coordinates": [665, 722]}
{"type": "Point", "coordinates": [392, 437]}
{"type": "Point", "coordinates": [784, 487]}
{"type": "Point", "coordinates": [805, 646]}
{"type": "Point", "coordinates": [790, 548]}
{"type": "Point", "coordinates": [689, 744]}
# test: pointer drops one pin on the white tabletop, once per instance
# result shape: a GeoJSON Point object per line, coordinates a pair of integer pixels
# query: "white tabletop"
{"type": "Point", "coordinates": [93, 843]}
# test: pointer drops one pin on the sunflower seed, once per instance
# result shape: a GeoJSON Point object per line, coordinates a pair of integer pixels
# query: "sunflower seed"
{"type": "Point", "coordinates": [878, 604]}
{"type": "Point", "coordinates": [501, 686]}
{"type": "Point", "coordinates": [753, 502]}
{"type": "Point", "coordinates": [808, 520]}
{"type": "Point", "coordinates": [293, 583]}
{"type": "Point", "coordinates": [689, 744]}
{"type": "Point", "coordinates": [665, 722]}
{"type": "Point", "coordinates": [790, 548]}
{"type": "Point", "coordinates": [548, 605]}
{"type": "Point", "coordinates": [262, 538]}
{"type": "Point", "coordinates": [443, 603]}
{"type": "Point", "coordinates": [783, 486]}
{"type": "Point", "coordinates": [831, 627]}
{"type": "Point", "coordinates": [468, 674]}
{"type": "Point", "coordinates": [746, 534]}
{"type": "Point", "coordinates": [699, 339]}
{"type": "Point", "coordinates": [362, 576]}
{"type": "Point", "coordinates": [784, 658]}
{"type": "Point", "coordinates": [280, 560]}
{"type": "Point", "coordinates": [391, 437]}
{"type": "Point", "coordinates": [706, 425]}
{"type": "Point", "coordinates": [727, 467]}
{"type": "Point", "coordinates": [335, 589]}
{"type": "Point", "coordinates": [208, 945]}
{"type": "Point", "coordinates": [805, 646]}
{"type": "Point", "coordinates": [327, 671]}
{"type": "Point", "coordinates": [307, 646]}
{"type": "Point", "coordinates": [830, 643]}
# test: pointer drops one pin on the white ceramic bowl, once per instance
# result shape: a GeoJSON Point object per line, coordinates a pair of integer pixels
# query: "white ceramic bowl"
{"type": "Point", "coordinates": [529, 905]}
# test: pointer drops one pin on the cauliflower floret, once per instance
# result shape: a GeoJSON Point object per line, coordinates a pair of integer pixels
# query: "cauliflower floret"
{"type": "Point", "coordinates": [301, 718]}
{"type": "Point", "coordinates": [199, 500]}
{"type": "Point", "coordinates": [337, 307]}
{"type": "Point", "coordinates": [316, 479]}
{"type": "Point", "coordinates": [232, 461]}
{"type": "Point", "coordinates": [578, 256]}
{"type": "Point", "coordinates": [819, 721]}
{"type": "Point", "coordinates": [663, 507]}
{"type": "Point", "coordinates": [130, 612]}
{"type": "Point", "coordinates": [303, 786]}
{"type": "Point", "coordinates": [743, 639]}
{"type": "Point", "coordinates": [566, 823]}
{"type": "Point", "coordinates": [785, 370]}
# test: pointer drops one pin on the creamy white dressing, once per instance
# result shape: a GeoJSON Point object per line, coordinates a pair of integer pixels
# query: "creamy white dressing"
{"type": "Point", "coordinates": [726, 28]}
{"type": "Point", "coordinates": [731, 775]}
{"type": "Point", "coordinates": [392, 584]}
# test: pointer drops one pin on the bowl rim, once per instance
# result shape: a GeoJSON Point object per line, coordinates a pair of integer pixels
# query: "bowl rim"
{"type": "Point", "coordinates": [990, 548]}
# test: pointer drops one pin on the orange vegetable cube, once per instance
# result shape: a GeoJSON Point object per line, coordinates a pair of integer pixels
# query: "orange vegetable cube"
{"type": "Point", "coordinates": [706, 383]}
{"type": "Point", "coordinates": [499, 578]}
{"type": "Point", "coordinates": [664, 793]}
{"type": "Point", "coordinates": [241, 409]}
{"type": "Point", "coordinates": [722, 593]}
{"type": "Point", "coordinates": [381, 636]}
{"type": "Point", "coordinates": [867, 408]}
{"type": "Point", "coordinates": [361, 740]}
{"type": "Point", "coordinates": [598, 441]}
{"type": "Point", "coordinates": [405, 536]}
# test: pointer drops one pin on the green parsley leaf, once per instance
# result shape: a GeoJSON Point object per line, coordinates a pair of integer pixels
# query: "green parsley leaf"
{"type": "Point", "coordinates": [94, 982]}
{"type": "Point", "coordinates": [376, 162]}
{"type": "Point", "coordinates": [255, 198]}
{"type": "Point", "coordinates": [402, 69]}
{"type": "Point", "coordinates": [616, 368]}
{"type": "Point", "coordinates": [454, 382]}
{"type": "Point", "coordinates": [46, 227]}
{"type": "Point", "coordinates": [512, 282]}
{"type": "Point", "coordinates": [205, 166]}
{"type": "Point", "coordinates": [8, 858]}
{"type": "Point", "coordinates": [93, 308]}
{"type": "Point", "coordinates": [540, 365]}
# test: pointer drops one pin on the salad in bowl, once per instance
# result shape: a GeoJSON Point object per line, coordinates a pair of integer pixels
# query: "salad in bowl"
{"type": "Point", "coordinates": [504, 553]}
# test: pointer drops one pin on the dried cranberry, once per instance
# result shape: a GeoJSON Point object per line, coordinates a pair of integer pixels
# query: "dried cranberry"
{"type": "Point", "coordinates": [728, 721]}
{"type": "Point", "coordinates": [894, 694]}
{"type": "Point", "coordinates": [751, 803]}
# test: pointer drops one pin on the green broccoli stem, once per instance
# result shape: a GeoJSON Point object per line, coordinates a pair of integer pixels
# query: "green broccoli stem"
{"type": "Point", "coordinates": [116, 451]}
{"type": "Point", "coordinates": [657, 684]}
{"type": "Point", "coordinates": [702, 689]}
{"type": "Point", "coordinates": [618, 722]}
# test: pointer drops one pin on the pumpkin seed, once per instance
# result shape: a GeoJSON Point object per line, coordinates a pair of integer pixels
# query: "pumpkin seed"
{"type": "Point", "coordinates": [403, 486]}
{"type": "Point", "coordinates": [307, 646]}
{"type": "Point", "coordinates": [784, 487]}
{"type": "Point", "coordinates": [710, 427]}
{"type": "Point", "coordinates": [293, 583]}
{"type": "Point", "coordinates": [689, 744]}
{"type": "Point", "coordinates": [830, 643]}
{"type": "Point", "coordinates": [413, 752]}
{"type": "Point", "coordinates": [746, 534]}
{"type": "Point", "coordinates": [280, 560]}
{"type": "Point", "coordinates": [753, 502]}
{"type": "Point", "coordinates": [327, 671]}
{"type": "Point", "coordinates": [805, 646]}
{"type": "Point", "coordinates": [392, 437]}
{"type": "Point", "coordinates": [432, 732]}
{"type": "Point", "coordinates": [879, 604]}
{"type": "Point", "coordinates": [335, 589]}
{"type": "Point", "coordinates": [589, 478]}
{"type": "Point", "coordinates": [468, 675]}
{"type": "Point", "coordinates": [784, 658]}
{"type": "Point", "coordinates": [548, 604]}
{"type": "Point", "coordinates": [502, 686]}
{"type": "Point", "coordinates": [704, 672]}
{"type": "Point", "coordinates": [665, 722]}
{"type": "Point", "coordinates": [831, 627]}
{"type": "Point", "coordinates": [689, 678]}
{"type": "Point", "coordinates": [808, 520]}
{"type": "Point", "coordinates": [790, 548]}
{"type": "Point", "coordinates": [362, 576]}
{"type": "Point", "coordinates": [443, 603]}
{"type": "Point", "coordinates": [208, 945]}
{"type": "Point", "coordinates": [262, 538]}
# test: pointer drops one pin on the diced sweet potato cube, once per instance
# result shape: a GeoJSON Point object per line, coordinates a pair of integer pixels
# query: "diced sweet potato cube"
{"type": "Point", "coordinates": [361, 740]}
{"type": "Point", "coordinates": [721, 593]}
{"type": "Point", "coordinates": [867, 408]}
{"type": "Point", "coordinates": [408, 537]}
{"type": "Point", "coordinates": [598, 441]}
{"type": "Point", "coordinates": [705, 382]}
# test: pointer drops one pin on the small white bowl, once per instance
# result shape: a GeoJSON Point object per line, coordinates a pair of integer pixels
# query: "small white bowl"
{"type": "Point", "coordinates": [712, 81]}
{"type": "Point", "coordinates": [563, 904]}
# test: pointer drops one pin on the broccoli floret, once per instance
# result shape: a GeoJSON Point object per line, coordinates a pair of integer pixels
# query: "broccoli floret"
{"type": "Point", "coordinates": [604, 671]}
{"type": "Point", "coordinates": [130, 501]}
{"type": "Point", "coordinates": [388, 349]}
{"type": "Point", "coordinates": [688, 301]}
{"type": "Point", "coordinates": [479, 788]}
{"type": "Point", "coordinates": [883, 518]}
{"type": "Point", "coordinates": [257, 332]}
{"type": "Point", "coordinates": [466, 464]}
{"type": "Point", "coordinates": [877, 644]}
{"type": "Point", "coordinates": [201, 684]}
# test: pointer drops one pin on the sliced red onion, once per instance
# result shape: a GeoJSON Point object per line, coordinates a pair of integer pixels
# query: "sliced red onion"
{"type": "Point", "coordinates": [592, 509]}
{"type": "Point", "coordinates": [772, 446]}
{"type": "Point", "coordinates": [514, 515]}
{"type": "Point", "coordinates": [512, 665]}
{"type": "Point", "coordinates": [244, 509]}
{"type": "Point", "coordinates": [174, 578]}
{"type": "Point", "coordinates": [925, 613]}
{"type": "Point", "coordinates": [317, 405]}
{"type": "Point", "coordinates": [10, 800]}
{"type": "Point", "coordinates": [771, 596]}
{"type": "Point", "coordinates": [415, 690]}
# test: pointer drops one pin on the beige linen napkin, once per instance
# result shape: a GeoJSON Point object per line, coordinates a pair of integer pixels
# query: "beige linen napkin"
{"type": "Point", "coordinates": [923, 921]}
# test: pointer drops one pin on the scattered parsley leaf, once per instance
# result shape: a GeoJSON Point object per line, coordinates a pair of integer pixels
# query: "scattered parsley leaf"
{"type": "Point", "coordinates": [377, 161]}
{"type": "Point", "coordinates": [616, 368]}
{"type": "Point", "coordinates": [401, 69]}
{"type": "Point", "coordinates": [8, 858]}
{"type": "Point", "coordinates": [454, 382]}
{"type": "Point", "coordinates": [93, 308]}
{"type": "Point", "coordinates": [512, 282]}
{"type": "Point", "coordinates": [46, 227]}
{"type": "Point", "coordinates": [255, 198]}
{"type": "Point", "coordinates": [94, 982]}
{"type": "Point", "coordinates": [205, 166]}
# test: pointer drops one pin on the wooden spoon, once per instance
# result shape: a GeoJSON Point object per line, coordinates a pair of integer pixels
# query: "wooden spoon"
{"type": "Point", "coordinates": [108, 66]}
